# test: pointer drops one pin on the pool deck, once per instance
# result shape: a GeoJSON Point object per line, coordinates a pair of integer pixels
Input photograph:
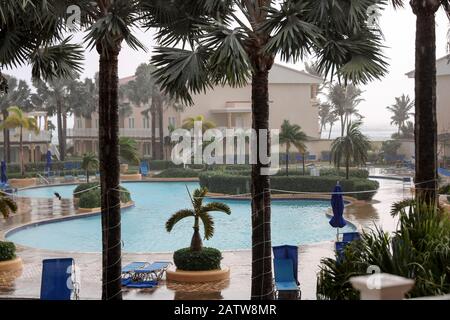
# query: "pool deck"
{"type": "Point", "coordinates": [27, 284]}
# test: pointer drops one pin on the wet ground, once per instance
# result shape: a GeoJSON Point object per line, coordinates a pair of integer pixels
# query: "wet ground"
{"type": "Point", "coordinates": [27, 284]}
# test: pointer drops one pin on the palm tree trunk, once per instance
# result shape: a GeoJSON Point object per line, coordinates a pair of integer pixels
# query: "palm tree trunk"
{"type": "Point", "coordinates": [425, 91]}
{"type": "Point", "coordinates": [22, 167]}
{"type": "Point", "coordinates": [287, 159]}
{"type": "Point", "coordinates": [64, 117]}
{"type": "Point", "coordinates": [260, 187]}
{"type": "Point", "coordinates": [109, 173]}
{"type": "Point", "coordinates": [153, 115]}
{"type": "Point", "coordinates": [347, 167]}
{"type": "Point", "coordinates": [303, 163]}
{"type": "Point", "coordinates": [6, 140]}
{"type": "Point", "coordinates": [61, 142]}
{"type": "Point", "coordinates": [161, 129]}
{"type": "Point", "coordinates": [196, 242]}
{"type": "Point", "coordinates": [331, 128]}
{"type": "Point", "coordinates": [87, 176]}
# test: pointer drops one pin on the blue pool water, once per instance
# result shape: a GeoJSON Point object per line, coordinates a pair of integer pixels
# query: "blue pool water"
{"type": "Point", "coordinates": [143, 227]}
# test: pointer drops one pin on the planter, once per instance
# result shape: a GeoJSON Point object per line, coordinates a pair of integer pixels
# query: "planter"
{"type": "Point", "coordinates": [198, 276]}
{"type": "Point", "coordinates": [11, 266]}
{"type": "Point", "coordinates": [123, 168]}
{"type": "Point", "coordinates": [131, 177]}
{"type": "Point", "coordinates": [22, 183]}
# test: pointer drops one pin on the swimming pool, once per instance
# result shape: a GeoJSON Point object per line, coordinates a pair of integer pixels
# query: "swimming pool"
{"type": "Point", "coordinates": [143, 226]}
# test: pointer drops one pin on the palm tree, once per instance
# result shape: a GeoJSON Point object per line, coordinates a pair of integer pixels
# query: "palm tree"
{"type": "Point", "coordinates": [199, 212]}
{"type": "Point", "coordinates": [408, 130]}
{"type": "Point", "coordinates": [332, 119]}
{"type": "Point", "coordinates": [292, 134]}
{"type": "Point", "coordinates": [401, 111]}
{"type": "Point", "coordinates": [352, 148]}
{"type": "Point", "coordinates": [324, 115]}
{"type": "Point", "coordinates": [234, 42]}
{"type": "Point", "coordinates": [128, 150]}
{"type": "Point", "coordinates": [7, 205]}
{"type": "Point", "coordinates": [89, 162]}
{"type": "Point", "coordinates": [425, 95]}
{"type": "Point", "coordinates": [17, 119]}
{"type": "Point", "coordinates": [18, 95]}
{"type": "Point", "coordinates": [189, 123]}
{"type": "Point", "coordinates": [344, 100]}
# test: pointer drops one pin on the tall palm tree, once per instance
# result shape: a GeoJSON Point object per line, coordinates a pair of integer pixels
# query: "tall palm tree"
{"type": "Point", "coordinates": [89, 162]}
{"type": "Point", "coordinates": [234, 42]}
{"type": "Point", "coordinates": [425, 95]}
{"type": "Point", "coordinates": [292, 134]}
{"type": "Point", "coordinates": [324, 115]}
{"type": "Point", "coordinates": [332, 119]}
{"type": "Point", "coordinates": [201, 213]}
{"type": "Point", "coordinates": [352, 148]}
{"type": "Point", "coordinates": [18, 95]}
{"type": "Point", "coordinates": [18, 119]}
{"type": "Point", "coordinates": [189, 123]}
{"type": "Point", "coordinates": [7, 205]}
{"type": "Point", "coordinates": [401, 110]}
{"type": "Point", "coordinates": [344, 100]}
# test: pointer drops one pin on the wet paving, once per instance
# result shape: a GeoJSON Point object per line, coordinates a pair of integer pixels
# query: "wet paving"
{"type": "Point", "coordinates": [26, 284]}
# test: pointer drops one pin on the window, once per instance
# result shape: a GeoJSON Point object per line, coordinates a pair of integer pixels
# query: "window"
{"type": "Point", "coordinates": [79, 123]}
{"type": "Point", "coordinates": [131, 123]}
{"type": "Point", "coordinates": [172, 121]}
{"type": "Point", "coordinates": [146, 122]}
{"type": "Point", "coordinates": [314, 91]}
{"type": "Point", "coordinates": [96, 123]}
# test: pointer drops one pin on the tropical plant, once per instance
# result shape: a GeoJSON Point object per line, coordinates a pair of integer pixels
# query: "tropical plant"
{"type": "Point", "coordinates": [352, 148]}
{"type": "Point", "coordinates": [418, 250]}
{"type": "Point", "coordinates": [7, 205]}
{"type": "Point", "coordinates": [324, 115]}
{"type": "Point", "coordinates": [292, 134]}
{"type": "Point", "coordinates": [401, 111]}
{"type": "Point", "coordinates": [18, 95]}
{"type": "Point", "coordinates": [344, 100]}
{"type": "Point", "coordinates": [233, 42]}
{"type": "Point", "coordinates": [390, 148]}
{"type": "Point", "coordinates": [18, 119]}
{"type": "Point", "coordinates": [201, 213]}
{"type": "Point", "coordinates": [425, 94]}
{"type": "Point", "coordinates": [128, 150]}
{"type": "Point", "coordinates": [89, 162]}
{"type": "Point", "coordinates": [189, 123]}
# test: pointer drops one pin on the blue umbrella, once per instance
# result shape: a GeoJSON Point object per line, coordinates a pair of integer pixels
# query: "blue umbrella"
{"type": "Point", "coordinates": [4, 178]}
{"type": "Point", "coordinates": [337, 203]}
{"type": "Point", "coordinates": [48, 165]}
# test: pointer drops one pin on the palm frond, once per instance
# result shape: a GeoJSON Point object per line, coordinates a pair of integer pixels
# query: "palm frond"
{"type": "Point", "coordinates": [177, 217]}
{"type": "Point", "coordinates": [208, 225]}
{"type": "Point", "coordinates": [216, 206]}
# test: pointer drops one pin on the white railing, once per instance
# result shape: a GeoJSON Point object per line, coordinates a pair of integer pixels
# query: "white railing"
{"type": "Point", "coordinates": [124, 132]}
{"type": "Point", "coordinates": [27, 136]}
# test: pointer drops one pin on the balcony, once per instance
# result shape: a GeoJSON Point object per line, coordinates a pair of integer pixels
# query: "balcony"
{"type": "Point", "coordinates": [27, 137]}
{"type": "Point", "coordinates": [123, 132]}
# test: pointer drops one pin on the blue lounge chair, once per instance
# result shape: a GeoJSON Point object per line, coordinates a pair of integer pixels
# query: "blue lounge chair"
{"type": "Point", "coordinates": [58, 280]}
{"type": "Point", "coordinates": [155, 271]}
{"type": "Point", "coordinates": [285, 283]}
{"type": "Point", "coordinates": [143, 275]}
{"type": "Point", "coordinates": [288, 252]}
{"type": "Point", "coordinates": [350, 236]}
{"type": "Point", "coordinates": [144, 168]}
{"type": "Point", "coordinates": [129, 271]}
{"type": "Point", "coordinates": [340, 247]}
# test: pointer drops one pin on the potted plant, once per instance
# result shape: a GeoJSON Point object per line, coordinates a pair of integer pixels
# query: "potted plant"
{"type": "Point", "coordinates": [197, 263]}
{"type": "Point", "coordinates": [9, 262]}
{"type": "Point", "coordinates": [128, 151]}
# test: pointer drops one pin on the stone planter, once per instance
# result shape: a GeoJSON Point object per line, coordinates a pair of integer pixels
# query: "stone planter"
{"type": "Point", "coordinates": [22, 183]}
{"type": "Point", "coordinates": [131, 177]}
{"type": "Point", "coordinates": [11, 266]}
{"type": "Point", "coordinates": [123, 168]}
{"type": "Point", "coordinates": [198, 276]}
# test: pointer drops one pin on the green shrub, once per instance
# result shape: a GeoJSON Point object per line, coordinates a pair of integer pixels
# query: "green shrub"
{"type": "Point", "coordinates": [7, 251]}
{"type": "Point", "coordinates": [204, 260]}
{"type": "Point", "coordinates": [444, 189]}
{"type": "Point", "coordinates": [178, 173]}
{"type": "Point", "coordinates": [217, 182]}
{"type": "Point", "coordinates": [158, 165]}
{"type": "Point", "coordinates": [79, 190]}
{"type": "Point", "coordinates": [92, 199]}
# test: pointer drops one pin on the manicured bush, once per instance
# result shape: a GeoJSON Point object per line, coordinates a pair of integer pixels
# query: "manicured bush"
{"type": "Point", "coordinates": [204, 260]}
{"type": "Point", "coordinates": [7, 251]}
{"type": "Point", "coordinates": [178, 173]}
{"type": "Point", "coordinates": [92, 199]}
{"type": "Point", "coordinates": [234, 184]}
{"type": "Point", "coordinates": [78, 192]}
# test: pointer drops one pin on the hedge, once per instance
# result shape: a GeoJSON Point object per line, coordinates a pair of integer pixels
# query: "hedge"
{"type": "Point", "coordinates": [204, 260]}
{"type": "Point", "coordinates": [82, 187]}
{"type": "Point", "coordinates": [92, 199]}
{"type": "Point", "coordinates": [235, 184]}
{"type": "Point", "coordinates": [178, 173]}
{"type": "Point", "coordinates": [7, 251]}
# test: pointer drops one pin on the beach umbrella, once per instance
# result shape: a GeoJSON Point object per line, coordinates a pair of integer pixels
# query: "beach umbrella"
{"type": "Point", "coordinates": [48, 164]}
{"type": "Point", "coordinates": [337, 203]}
{"type": "Point", "coordinates": [4, 178]}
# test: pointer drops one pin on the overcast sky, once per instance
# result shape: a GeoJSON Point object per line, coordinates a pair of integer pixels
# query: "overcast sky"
{"type": "Point", "coordinates": [398, 28]}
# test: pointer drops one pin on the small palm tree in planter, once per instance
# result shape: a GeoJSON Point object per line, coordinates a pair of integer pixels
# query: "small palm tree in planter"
{"type": "Point", "coordinates": [90, 162]}
{"type": "Point", "coordinates": [196, 257]}
{"type": "Point", "coordinates": [8, 260]}
{"type": "Point", "coordinates": [128, 152]}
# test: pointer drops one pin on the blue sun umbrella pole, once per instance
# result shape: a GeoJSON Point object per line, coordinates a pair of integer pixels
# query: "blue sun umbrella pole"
{"type": "Point", "coordinates": [48, 165]}
{"type": "Point", "coordinates": [337, 204]}
{"type": "Point", "coordinates": [4, 178]}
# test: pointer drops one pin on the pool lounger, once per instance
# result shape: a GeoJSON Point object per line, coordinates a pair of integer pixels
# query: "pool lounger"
{"type": "Point", "coordinates": [128, 272]}
{"type": "Point", "coordinates": [285, 283]}
{"type": "Point", "coordinates": [154, 272]}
